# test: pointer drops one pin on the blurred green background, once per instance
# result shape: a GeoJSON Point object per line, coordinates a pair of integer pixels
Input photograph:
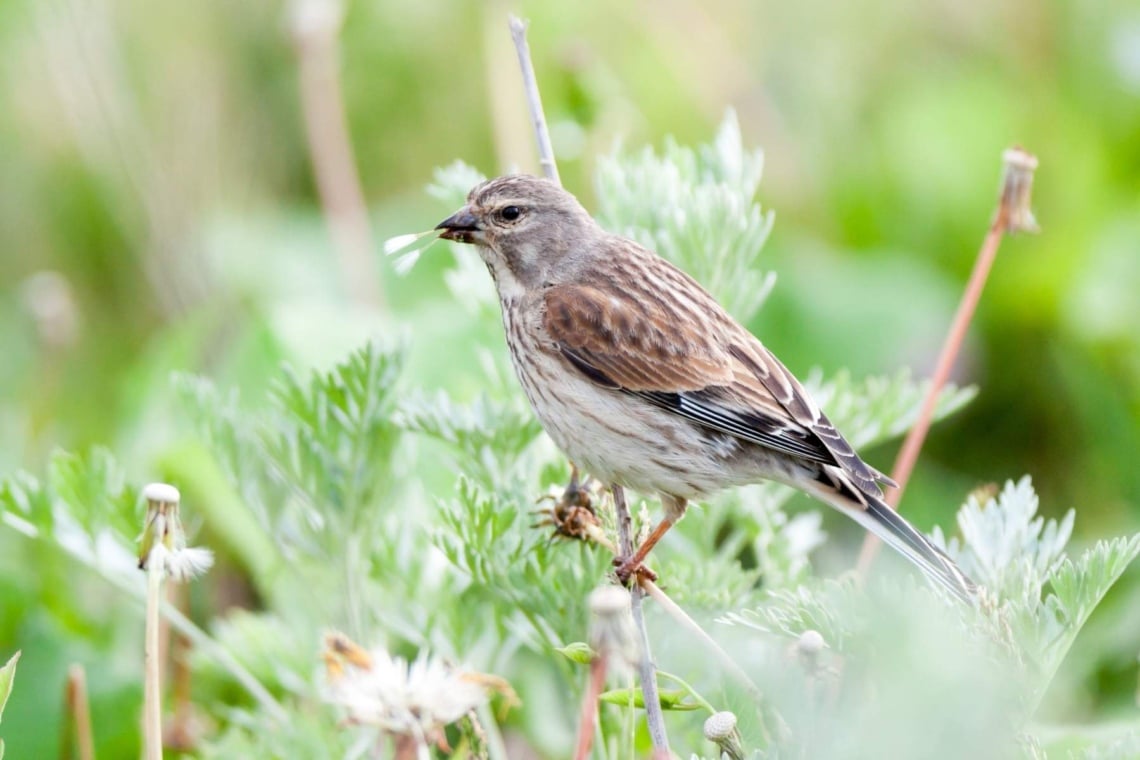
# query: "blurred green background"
{"type": "Point", "coordinates": [158, 212]}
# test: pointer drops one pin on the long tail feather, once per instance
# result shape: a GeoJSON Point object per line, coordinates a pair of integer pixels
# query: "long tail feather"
{"type": "Point", "coordinates": [911, 543]}
{"type": "Point", "coordinates": [875, 515]}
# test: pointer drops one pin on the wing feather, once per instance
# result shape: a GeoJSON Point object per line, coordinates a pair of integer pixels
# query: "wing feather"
{"type": "Point", "coordinates": [715, 374]}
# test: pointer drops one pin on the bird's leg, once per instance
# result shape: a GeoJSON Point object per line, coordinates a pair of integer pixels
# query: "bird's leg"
{"type": "Point", "coordinates": [628, 566]}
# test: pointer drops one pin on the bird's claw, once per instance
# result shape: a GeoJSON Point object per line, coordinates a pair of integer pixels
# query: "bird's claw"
{"type": "Point", "coordinates": [628, 568]}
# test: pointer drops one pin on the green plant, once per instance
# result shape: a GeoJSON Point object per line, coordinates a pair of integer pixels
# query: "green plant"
{"type": "Point", "coordinates": [7, 678]}
{"type": "Point", "coordinates": [351, 523]}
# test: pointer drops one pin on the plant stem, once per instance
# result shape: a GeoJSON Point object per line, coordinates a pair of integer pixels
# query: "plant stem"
{"type": "Point", "coordinates": [587, 716]}
{"type": "Point", "coordinates": [79, 716]}
{"type": "Point", "coordinates": [152, 704]}
{"type": "Point", "coordinates": [654, 716]}
{"type": "Point", "coordinates": [180, 737]}
{"type": "Point", "coordinates": [203, 641]}
{"type": "Point", "coordinates": [1012, 215]}
{"type": "Point", "coordinates": [683, 618]}
{"type": "Point", "coordinates": [689, 689]}
{"type": "Point", "coordinates": [316, 28]}
{"type": "Point", "coordinates": [534, 101]}
{"type": "Point", "coordinates": [496, 749]}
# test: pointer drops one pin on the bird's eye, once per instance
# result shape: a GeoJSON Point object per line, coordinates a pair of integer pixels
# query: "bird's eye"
{"type": "Point", "coordinates": [510, 213]}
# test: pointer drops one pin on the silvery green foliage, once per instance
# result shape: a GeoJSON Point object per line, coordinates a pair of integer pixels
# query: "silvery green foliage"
{"type": "Point", "coordinates": [1034, 603]}
{"type": "Point", "coordinates": [314, 464]}
{"type": "Point", "coordinates": [1125, 748]}
{"type": "Point", "coordinates": [1042, 597]}
{"type": "Point", "coordinates": [84, 497]}
{"type": "Point", "coordinates": [696, 208]}
{"type": "Point", "coordinates": [878, 408]}
{"type": "Point", "coordinates": [317, 465]}
{"type": "Point", "coordinates": [489, 437]}
{"type": "Point", "coordinates": [530, 589]}
{"type": "Point", "coordinates": [899, 674]}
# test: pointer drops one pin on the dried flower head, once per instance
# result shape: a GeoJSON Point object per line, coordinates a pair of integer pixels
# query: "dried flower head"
{"type": "Point", "coordinates": [612, 634]}
{"type": "Point", "coordinates": [1017, 190]}
{"type": "Point", "coordinates": [572, 514]}
{"type": "Point", "coordinates": [411, 700]}
{"type": "Point", "coordinates": [163, 542]}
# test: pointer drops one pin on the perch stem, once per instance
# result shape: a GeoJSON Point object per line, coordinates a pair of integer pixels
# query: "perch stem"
{"type": "Point", "coordinates": [1012, 215]}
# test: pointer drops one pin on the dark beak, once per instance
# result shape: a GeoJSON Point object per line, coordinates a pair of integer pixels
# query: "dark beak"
{"type": "Point", "coordinates": [460, 226]}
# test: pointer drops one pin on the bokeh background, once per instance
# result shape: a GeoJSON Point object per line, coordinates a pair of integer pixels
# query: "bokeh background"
{"type": "Point", "coordinates": [159, 212]}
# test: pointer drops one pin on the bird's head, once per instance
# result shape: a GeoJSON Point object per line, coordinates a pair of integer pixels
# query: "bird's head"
{"type": "Point", "coordinates": [525, 227]}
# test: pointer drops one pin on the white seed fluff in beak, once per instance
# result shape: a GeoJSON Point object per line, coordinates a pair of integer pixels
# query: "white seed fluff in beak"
{"type": "Point", "coordinates": [408, 247]}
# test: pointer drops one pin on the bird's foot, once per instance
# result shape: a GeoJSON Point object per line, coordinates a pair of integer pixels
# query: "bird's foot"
{"type": "Point", "coordinates": [628, 568]}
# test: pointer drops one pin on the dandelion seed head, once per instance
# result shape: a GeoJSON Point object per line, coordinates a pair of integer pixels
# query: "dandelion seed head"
{"type": "Point", "coordinates": [162, 493]}
{"type": "Point", "coordinates": [187, 563]}
{"type": "Point", "coordinates": [416, 699]}
{"type": "Point", "coordinates": [612, 634]}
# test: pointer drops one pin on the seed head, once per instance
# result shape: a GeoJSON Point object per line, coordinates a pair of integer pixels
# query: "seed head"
{"type": "Point", "coordinates": [721, 728]}
{"type": "Point", "coordinates": [163, 542]}
{"type": "Point", "coordinates": [612, 634]}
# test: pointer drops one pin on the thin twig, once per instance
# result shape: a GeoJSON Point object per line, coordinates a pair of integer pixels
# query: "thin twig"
{"type": "Point", "coordinates": [534, 101]}
{"type": "Point", "coordinates": [654, 716]}
{"type": "Point", "coordinates": [78, 708]}
{"type": "Point", "coordinates": [316, 33]}
{"type": "Point", "coordinates": [1012, 215]}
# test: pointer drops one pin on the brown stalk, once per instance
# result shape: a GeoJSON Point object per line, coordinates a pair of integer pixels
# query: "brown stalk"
{"type": "Point", "coordinates": [587, 716]}
{"type": "Point", "coordinates": [1013, 215]}
{"type": "Point", "coordinates": [316, 28]}
{"type": "Point", "coordinates": [78, 737]}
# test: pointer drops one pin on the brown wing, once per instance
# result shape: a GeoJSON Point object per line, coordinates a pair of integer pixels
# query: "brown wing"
{"type": "Point", "coordinates": [632, 344]}
{"type": "Point", "coordinates": [719, 375]}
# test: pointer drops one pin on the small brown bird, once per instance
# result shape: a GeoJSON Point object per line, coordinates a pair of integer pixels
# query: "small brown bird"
{"type": "Point", "coordinates": [644, 380]}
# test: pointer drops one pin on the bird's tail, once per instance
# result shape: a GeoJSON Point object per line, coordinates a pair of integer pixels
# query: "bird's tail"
{"type": "Point", "coordinates": [876, 515]}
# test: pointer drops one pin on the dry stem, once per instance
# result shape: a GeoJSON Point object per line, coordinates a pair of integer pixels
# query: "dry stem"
{"type": "Point", "coordinates": [682, 617]}
{"type": "Point", "coordinates": [79, 716]}
{"type": "Point", "coordinates": [316, 26]}
{"type": "Point", "coordinates": [1012, 215]}
{"type": "Point", "coordinates": [534, 100]}
{"type": "Point", "coordinates": [180, 735]}
{"type": "Point", "coordinates": [152, 705]}
{"type": "Point", "coordinates": [654, 716]}
{"type": "Point", "coordinates": [587, 717]}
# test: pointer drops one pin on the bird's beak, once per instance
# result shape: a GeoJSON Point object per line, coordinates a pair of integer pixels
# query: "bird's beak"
{"type": "Point", "coordinates": [462, 226]}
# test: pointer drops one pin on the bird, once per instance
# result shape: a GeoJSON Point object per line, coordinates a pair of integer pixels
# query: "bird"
{"type": "Point", "coordinates": [643, 379]}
